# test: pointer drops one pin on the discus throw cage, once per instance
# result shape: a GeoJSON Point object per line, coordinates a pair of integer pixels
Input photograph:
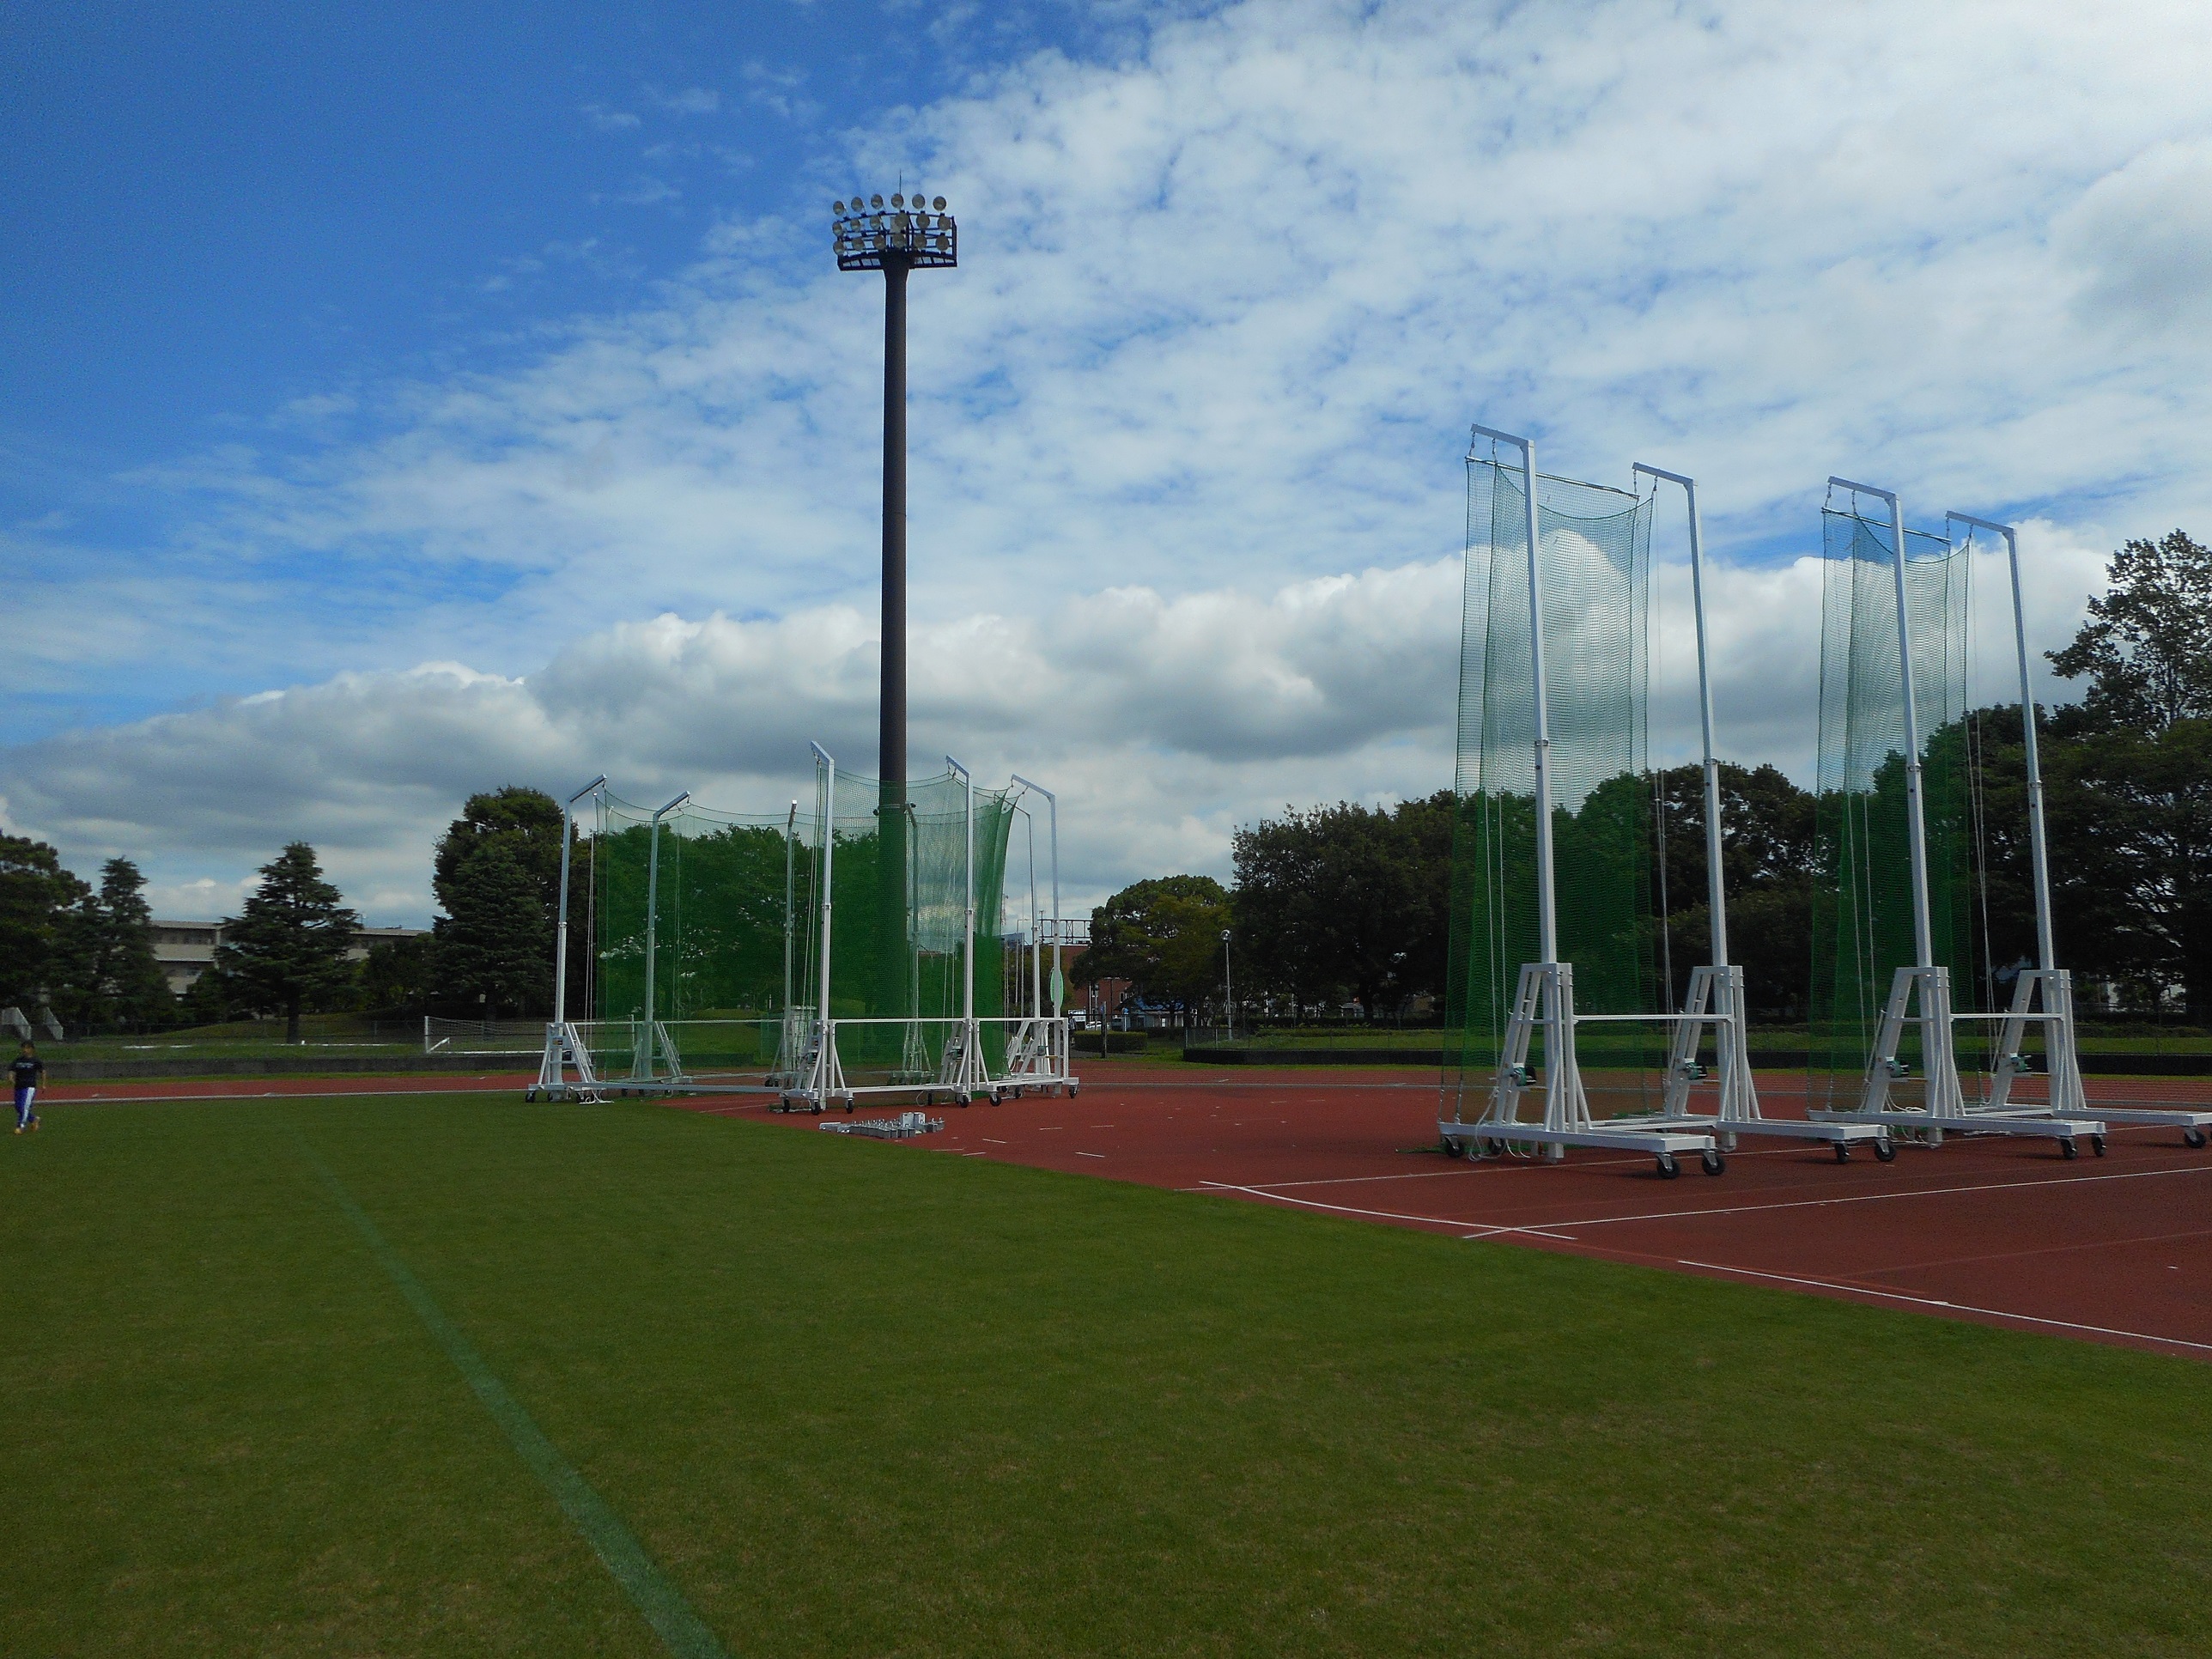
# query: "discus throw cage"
{"type": "Point", "coordinates": [1505, 832]}
{"type": "Point", "coordinates": [1888, 662]}
{"type": "Point", "coordinates": [1716, 993]}
{"type": "Point", "coordinates": [815, 959]}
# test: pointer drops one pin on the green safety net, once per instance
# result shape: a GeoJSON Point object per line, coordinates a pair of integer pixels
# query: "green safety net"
{"type": "Point", "coordinates": [693, 917]}
{"type": "Point", "coordinates": [1862, 926]}
{"type": "Point", "coordinates": [1595, 551]}
{"type": "Point", "coordinates": [900, 937]}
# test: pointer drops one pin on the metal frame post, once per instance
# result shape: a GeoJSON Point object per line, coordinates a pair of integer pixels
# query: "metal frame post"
{"type": "Point", "coordinates": [561, 934]}
{"type": "Point", "coordinates": [1052, 809]}
{"type": "Point", "coordinates": [828, 849]}
{"type": "Point", "coordinates": [1923, 927]}
{"type": "Point", "coordinates": [790, 895]}
{"type": "Point", "coordinates": [2046, 954]}
{"type": "Point", "coordinates": [1547, 919]}
{"type": "Point", "coordinates": [1715, 887]}
{"type": "Point", "coordinates": [652, 929]}
{"type": "Point", "coordinates": [968, 877]}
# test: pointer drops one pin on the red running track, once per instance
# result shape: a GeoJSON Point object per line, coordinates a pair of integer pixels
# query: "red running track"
{"type": "Point", "coordinates": [2116, 1249]}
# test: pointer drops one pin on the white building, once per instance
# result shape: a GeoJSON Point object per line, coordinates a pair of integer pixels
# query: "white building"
{"type": "Point", "coordinates": [186, 950]}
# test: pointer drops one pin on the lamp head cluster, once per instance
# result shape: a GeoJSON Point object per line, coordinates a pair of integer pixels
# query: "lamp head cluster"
{"type": "Point", "coordinates": [912, 231]}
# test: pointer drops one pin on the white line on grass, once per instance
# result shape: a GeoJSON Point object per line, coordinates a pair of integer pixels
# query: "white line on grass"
{"type": "Point", "coordinates": [681, 1631]}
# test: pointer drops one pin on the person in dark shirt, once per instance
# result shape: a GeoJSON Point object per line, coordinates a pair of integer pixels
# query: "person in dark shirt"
{"type": "Point", "coordinates": [27, 1070]}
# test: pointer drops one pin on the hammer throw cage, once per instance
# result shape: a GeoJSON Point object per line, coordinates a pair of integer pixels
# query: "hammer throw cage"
{"type": "Point", "coordinates": [1892, 921]}
{"type": "Point", "coordinates": [1557, 571]}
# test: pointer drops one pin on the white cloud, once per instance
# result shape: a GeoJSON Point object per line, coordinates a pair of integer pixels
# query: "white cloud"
{"type": "Point", "coordinates": [1163, 722]}
{"type": "Point", "coordinates": [1226, 304]}
{"type": "Point", "coordinates": [691, 101]}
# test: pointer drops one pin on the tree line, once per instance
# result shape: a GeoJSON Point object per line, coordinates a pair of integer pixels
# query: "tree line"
{"type": "Point", "coordinates": [85, 954]}
{"type": "Point", "coordinates": [1350, 903]}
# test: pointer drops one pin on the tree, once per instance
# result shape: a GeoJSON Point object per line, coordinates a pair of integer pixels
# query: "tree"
{"type": "Point", "coordinates": [1164, 936]}
{"type": "Point", "coordinates": [396, 977]}
{"type": "Point", "coordinates": [209, 1000]}
{"type": "Point", "coordinates": [494, 951]}
{"type": "Point", "coordinates": [2129, 774]}
{"type": "Point", "coordinates": [36, 896]}
{"type": "Point", "coordinates": [521, 827]}
{"type": "Point", "coordinates": [2147, 648]}
{"type": "Point", "coordinates": [1768, 862]}
{"type": "Point", "coordinates": [1347, 898]}
{"type": "Point", "coordinates": [107, 973]}
{"type": "Point", "coordinates": [288, 947]}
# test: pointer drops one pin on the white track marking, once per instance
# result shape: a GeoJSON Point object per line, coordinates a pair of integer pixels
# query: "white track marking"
{"type": "Point", "coordinates": [1268, 1189]}
{"type": "Point", "coordinates": [1346, 1209]}
{"type": "Point", "coordinates": [1850, 1289]}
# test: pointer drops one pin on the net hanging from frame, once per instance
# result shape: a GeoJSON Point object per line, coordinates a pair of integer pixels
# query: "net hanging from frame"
{"type": "Point", "coordinates": [1594, 546]}
{"type": "Point", "coordinates": [1862, 926]}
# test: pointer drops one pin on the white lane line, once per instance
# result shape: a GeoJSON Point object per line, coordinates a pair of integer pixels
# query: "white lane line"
{"type": "Point", "coordinates": [1870, 1198]}
{"type": "Point", "coordinates": [1949, 1307]}
{"type": "Point", "coordinates": [1269, 1189]}
{"type": "Point", "coordinates": [1090, 1155]}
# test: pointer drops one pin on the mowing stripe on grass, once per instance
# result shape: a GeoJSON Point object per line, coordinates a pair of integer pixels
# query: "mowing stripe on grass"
{"type": "Point", "coordinates": [681, 1631]}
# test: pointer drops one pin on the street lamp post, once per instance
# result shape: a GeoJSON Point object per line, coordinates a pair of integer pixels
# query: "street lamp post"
{"type": "Point", "coordinates": [1228, 989]}
{"type": "Point", "coordinates": [911, 233]}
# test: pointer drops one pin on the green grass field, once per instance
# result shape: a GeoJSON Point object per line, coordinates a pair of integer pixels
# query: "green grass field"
{"type": "Point", "coordinates": [864, 1399]}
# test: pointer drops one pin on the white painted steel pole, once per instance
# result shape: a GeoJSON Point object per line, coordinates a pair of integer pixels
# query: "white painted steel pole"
{"type": "Point", "coordinates": [1052, 820]}
{"type": "Point", "coordinates": [2046, 951]}
{"type": "Point", "coordinates": [1716, 885]}
{"type": "Point", "coordinates": [652, 916]}
{"type": "Point", "coordinates": [790, 896]}
{"type": "Point", "coordinates": [1923, 927]}
{"type": "Point", "coordinates": [967, 953]}
{"type": "Point", "coordinates": [560, 933]}
{"type": "Point", "coordinates": [1547, 919]}
{"type": "Point", "coordinates": [827, 822]}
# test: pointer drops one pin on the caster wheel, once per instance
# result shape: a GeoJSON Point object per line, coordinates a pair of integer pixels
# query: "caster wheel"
{"type": "Point", "coordinates": [2192, 1136]}
{"type": "Point", "coordinates": [528, 1096]}
{"type": "Point", "coordinates": [849, 1108]}
{"type": "Point", "coordinates": [1453, 1148]}
{"type": "Point", "coordinates": [1667, 1168]}
{"type": "Point", "coordinates": [1490, 1148]}
{"type": "Point", "coordinates": [2097, 1145]}
{"type": "Point", "coordinates": [1886, 1150]}
{"type": "Point", "coordinates": [1712, 1162]}
{"type": "Point", "coordinates": [818, 1108]}
{"type": "Point", "coordinates": [1843, 1152]}
{"type": "Point", "coordinates": [2068, 1150]}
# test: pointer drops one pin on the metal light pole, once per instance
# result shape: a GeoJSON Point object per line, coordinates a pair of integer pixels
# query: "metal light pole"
{"type": "Point", "coordinates": [910, 233]}
{"type": "Point", "coordinates": [1228, 989]}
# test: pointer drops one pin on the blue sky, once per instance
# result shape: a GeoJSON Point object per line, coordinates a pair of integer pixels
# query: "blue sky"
{"type": "Point", "coordinates": [396, 402]}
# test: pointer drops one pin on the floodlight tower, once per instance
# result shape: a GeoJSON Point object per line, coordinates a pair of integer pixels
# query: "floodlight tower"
{"type": "Point", "coordinates": [911, 233]}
